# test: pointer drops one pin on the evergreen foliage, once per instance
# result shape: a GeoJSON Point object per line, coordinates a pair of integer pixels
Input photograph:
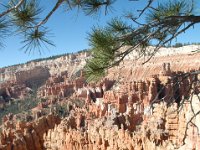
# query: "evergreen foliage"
{"type": "Point", "coordinates": [18, 106]}
{"type": "Point", "coordinates": [23, 17]}
{"type": "Point", "coordinates": [161, 25]}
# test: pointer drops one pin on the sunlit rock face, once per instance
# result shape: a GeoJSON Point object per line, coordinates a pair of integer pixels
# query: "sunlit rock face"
{"type": "Point", "coordinates": [140, 112]}
{"type": "Point", "coordinates": [71, 63]}
{"type": "Point", "coordinates": [163, 129]}
{"type": "Point", "coordinates": [23, 84]}
{"type": "Point", "coordinates": [137, 106]}
{"type": "Point", "coordinates": [36, 75]}
{"type": "Point", "coordinates": [20, 80]}
{"type": "Point", "coordinates": [26, 135]}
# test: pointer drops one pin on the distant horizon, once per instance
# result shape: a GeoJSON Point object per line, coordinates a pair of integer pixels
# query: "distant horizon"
{"type": "Point", "coordinates": [81, 51]}
{"type": "Point", "coordinates": [48, 57]}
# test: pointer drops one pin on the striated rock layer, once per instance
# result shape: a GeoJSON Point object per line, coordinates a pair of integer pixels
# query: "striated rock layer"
{"type": "Point", "coordinates": [30, 70]}
{"type": "Point", "coordinates": [155, 106]}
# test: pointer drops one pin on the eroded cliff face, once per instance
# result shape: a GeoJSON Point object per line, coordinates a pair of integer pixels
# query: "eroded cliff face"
{"type": "Point", "coordinates": [135, 107]}
{"type": "Point", "coordinates": [23, 84]}
{"type": "Point", "coordinates": [26, 135]}
{"type": "Point", "coordinates": [163, 129]}
{"type": "Point", "coordinates": [129, 123]}
{"type": "Point", "coordinates": [152, 107]}
{"type": "Point", "coordinates": [71, 63]}
{"type": "Point", "coordinates": [18, 81]}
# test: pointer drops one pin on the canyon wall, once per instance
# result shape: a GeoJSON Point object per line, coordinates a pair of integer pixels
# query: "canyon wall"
{"type": "Point", "coordinates": [151, 106]}
{"type": "Point", "coordinates": [36, 75]}
{"type": "Point", "coordinates": [19, 80]}
{"type": "Point", "coordinates": [70, 62]}
{"type": "Point", "coordinates": [136, 116]}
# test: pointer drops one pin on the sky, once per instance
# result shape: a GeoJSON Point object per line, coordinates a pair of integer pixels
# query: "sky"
{"type": "Point", "coordinates": [70, 32]}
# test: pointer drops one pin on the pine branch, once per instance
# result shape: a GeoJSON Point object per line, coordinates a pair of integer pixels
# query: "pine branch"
{"type": "Point", "coordinates": [57, 5]}
{"type": "Point", "coordinates": [12, 8]}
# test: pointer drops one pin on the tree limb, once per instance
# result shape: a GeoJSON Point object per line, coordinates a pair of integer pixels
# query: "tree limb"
{"type": "Point", "coordinates": [12, 8]}
{"type": "Point", "coordinates": [59, 2]}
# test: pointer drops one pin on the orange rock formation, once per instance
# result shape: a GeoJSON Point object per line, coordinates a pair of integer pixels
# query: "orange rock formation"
{"type": "Point", "coordinates": [154, 106]}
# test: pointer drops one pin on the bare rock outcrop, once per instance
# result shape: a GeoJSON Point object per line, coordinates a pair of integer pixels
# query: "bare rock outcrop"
{"type": "Point", "coordinates": [151, 106]}
{"type": "Point", "coordinates": [163, 129]}
{"type": "Point", "coordinates": [26, 135]}
{"type": "Point", "coordinates": [33, 76]}
{"type": "Point", "coordinates": [143, 111]}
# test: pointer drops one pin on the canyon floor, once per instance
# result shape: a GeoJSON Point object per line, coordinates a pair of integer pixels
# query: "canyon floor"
{"type": "Point", "coordinates": [48, 105]}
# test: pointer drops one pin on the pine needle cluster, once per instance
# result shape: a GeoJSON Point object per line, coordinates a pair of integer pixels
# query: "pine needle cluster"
{"type": "Point", "coordinates": [159, 27]}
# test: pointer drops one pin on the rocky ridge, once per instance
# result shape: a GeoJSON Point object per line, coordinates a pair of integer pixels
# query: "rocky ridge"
{"type": "Point", "coordinates": [54, 66]}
